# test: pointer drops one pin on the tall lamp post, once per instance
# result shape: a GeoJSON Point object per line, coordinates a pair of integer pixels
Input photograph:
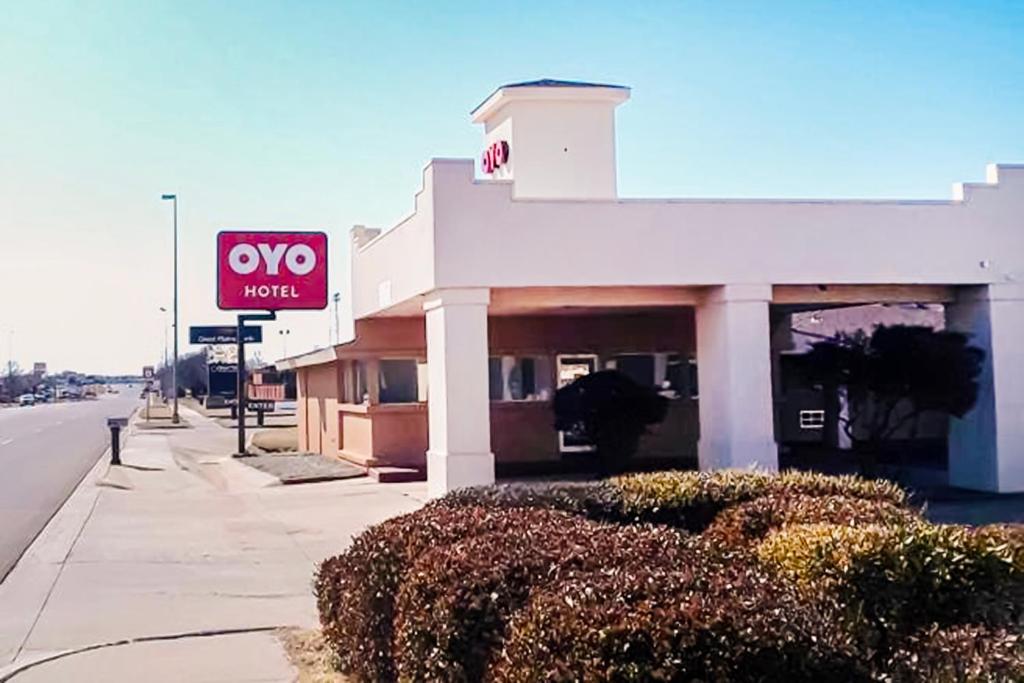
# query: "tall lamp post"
{"type": "Point", "coordinates": [174, 368]}
{"type": "Point", "coordinates": [164, 311]}
{"type": "Point", "coordinates": [337, 321]}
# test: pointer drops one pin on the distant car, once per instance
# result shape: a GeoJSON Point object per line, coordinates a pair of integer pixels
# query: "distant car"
{"type": "Point", "coordinates": [27, 399]}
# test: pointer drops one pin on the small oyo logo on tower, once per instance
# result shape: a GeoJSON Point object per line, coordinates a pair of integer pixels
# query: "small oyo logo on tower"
{"type": "Point", "coordinates": [495, 156]}
{"type": "Point", "coordinates": [271, 271]}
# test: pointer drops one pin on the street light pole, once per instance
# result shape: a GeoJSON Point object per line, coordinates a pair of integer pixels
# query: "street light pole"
{"type": "Point", "coordinates": [337, 322]}
{"type": "Point", "coordinates": [174, 369]}
{"type": "Point", "coordinates": [164, 311]}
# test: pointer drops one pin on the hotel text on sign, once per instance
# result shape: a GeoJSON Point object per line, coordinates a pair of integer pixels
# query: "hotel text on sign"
{"type": "Point", "coordinates": [271, 271]}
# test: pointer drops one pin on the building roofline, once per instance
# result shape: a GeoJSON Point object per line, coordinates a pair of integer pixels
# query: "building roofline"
{"type": "Point", "coordinates": [621, 91]}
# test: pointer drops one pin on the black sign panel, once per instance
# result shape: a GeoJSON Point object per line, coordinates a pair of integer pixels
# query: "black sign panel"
{"type": "Point", "coordinates": [222, 379]}
{"type": "Point", "coordinates": [260, 406]}
{"type": "Point", "coordinates": [224, 334]}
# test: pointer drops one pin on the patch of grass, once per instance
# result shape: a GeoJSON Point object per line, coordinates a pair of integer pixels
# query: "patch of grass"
{"type": "Point", "coordinates": [310, 655]}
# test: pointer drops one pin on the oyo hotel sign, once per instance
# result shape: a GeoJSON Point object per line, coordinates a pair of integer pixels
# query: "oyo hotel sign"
{"type": "Point", "coordinates": [271, 271]}
{"type": "Point", "coordinates": [495, 156]}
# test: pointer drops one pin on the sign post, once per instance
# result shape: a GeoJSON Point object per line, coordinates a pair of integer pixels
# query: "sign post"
{"type": "Point", "coordinates": [268, 271]}
{"type": "Point", "coordinates": [240, 389]}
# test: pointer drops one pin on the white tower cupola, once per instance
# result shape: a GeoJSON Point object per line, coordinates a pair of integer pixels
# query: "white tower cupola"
{"type": "Point", "coordinates": [552, 139]}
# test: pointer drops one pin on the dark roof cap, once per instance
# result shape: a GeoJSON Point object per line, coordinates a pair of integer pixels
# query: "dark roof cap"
{"type": "Point", "coordinates": [555, 83]}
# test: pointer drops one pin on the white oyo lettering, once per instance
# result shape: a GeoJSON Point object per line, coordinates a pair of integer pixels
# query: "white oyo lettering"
{"type": "Point", "coordinates": [299, 259]}
{"type": "Point", "coordinates": [272, 256]}
{"type": "Point", "coordinates": [243, 259]}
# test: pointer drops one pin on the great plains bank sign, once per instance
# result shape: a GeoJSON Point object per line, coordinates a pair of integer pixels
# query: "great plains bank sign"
{"type": "Point", "coordinates": [271, 271]}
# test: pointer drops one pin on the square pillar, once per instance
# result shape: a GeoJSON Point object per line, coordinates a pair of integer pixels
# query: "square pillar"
{"type": "Point", "coordinates": [734, 372]}
{"type": "Point", "coordinates": [986, 446]}
{"type": "Point", "coordinates": [458, 403]}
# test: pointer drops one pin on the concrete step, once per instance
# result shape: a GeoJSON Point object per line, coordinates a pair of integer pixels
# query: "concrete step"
{"type": "Point", "coordinates": [396, 475]}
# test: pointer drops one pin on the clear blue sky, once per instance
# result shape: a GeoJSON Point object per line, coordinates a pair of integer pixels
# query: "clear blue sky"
{"type": "Point", "coordinates": [321, 115]}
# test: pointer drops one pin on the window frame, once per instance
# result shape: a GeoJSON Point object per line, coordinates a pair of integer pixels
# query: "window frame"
{"type": "Point", "coordinates": [507, 363]}
{"type": "Point", "coordinates": [417, 374]}
{"type": "Point", "coordinates": [812, 422]}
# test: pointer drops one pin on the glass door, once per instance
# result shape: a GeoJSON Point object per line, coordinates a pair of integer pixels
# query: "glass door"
{"type": "Point", "coordinates": [569, 369]}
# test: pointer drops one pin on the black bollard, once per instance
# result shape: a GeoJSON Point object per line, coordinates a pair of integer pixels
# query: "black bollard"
{"type": "Point", "coordinates": [115, 445]}
{"type": "Point", "coordinates": [115, 424]}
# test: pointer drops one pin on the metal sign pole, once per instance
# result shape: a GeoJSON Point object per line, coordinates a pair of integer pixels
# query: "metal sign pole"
{"type": "Point", "coordinates": [240, 396]}
{"type": "Point", "coordinates": [240, 386]}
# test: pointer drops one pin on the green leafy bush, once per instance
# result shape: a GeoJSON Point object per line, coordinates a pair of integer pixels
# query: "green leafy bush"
{"type": "Point", "coordinates": [960, 653]}
{"type": "Point", "coordinates": [702, 622]}
{"type": "Point", "coordinates": [691, 500]}
{"type": "Point", "coordinates": [455, 602]}
{"type": "Point", "coordinates": [356, 590]}
{"type": "Point", "coordinates": [746, 523]}
{"type": "Point", "coordinates": [893, 580]}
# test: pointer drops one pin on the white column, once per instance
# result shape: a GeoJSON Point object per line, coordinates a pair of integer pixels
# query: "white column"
{"type": "Point", "coordinates": [986, 447]}
{"type": "Point", "coordinates": [457, 394]}
{"type": "Point", "coordinates": [735, 377]}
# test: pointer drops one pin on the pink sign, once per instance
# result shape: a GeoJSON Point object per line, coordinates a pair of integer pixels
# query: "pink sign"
{"type": "Point", "coordinates": [271, 271]}
{"type": "Point", "coordinates": [495, 156]}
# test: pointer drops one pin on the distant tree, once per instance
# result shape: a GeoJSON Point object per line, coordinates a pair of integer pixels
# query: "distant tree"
{"type": "Point", "coordinates": [612, 411]}
{"type": "Point", "coordinates": [893, 377]}
{"type": "Point", "coordinates": [191, 374]}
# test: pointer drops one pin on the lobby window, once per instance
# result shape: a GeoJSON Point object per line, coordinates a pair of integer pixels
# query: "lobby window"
{"type": "Point", "coordinates": [354, 384]}
{"type": "Point", "coordinates": [399, 380]}
{"type": "Point", "coordinates": [515, 378]}
{"type": "Point", "coordinates": [639, 367]}
{"type": "Point", "coordinates": [812, 419]}
{"type": "Point", "coordinates": [670, 373]}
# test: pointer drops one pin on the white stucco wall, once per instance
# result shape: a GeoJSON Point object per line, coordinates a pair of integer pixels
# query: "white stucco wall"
{"type": "Point", "coordinates": [484, 237]}
{"type": "Point", "coordinates": [561, 139]}
{"type": "Point", "coordinates": [471, 233]}
{"type": "Point", "coordinates": [574, 158]}
{"type": "Point", "coordinates": [399, 263]}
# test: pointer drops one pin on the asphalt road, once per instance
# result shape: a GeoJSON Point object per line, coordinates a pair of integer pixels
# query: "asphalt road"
{"type": "Point", "coordinates": [45, 450]}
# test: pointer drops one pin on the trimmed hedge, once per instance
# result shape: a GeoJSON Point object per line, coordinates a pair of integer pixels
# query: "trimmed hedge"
{"type": "Point", "coordinates": [682, 499]}
{"type": "Point", "coordinates": [691, 500]}
{"type": "Point", "coordinates": [899, 578]}
{"type": "Point", "coordinates": [455, 602]}
{"type": "Point", "coordinates": [598, 500]}
{"type": "Point", "coordinates": [961, 653]}
{"type": "Point", "coordinates": [749, 522]}
{"type": "Point", "coordinates": [712, 623]}
{"type": "Point", "coordinates": [798, 577]}
{"type": "Point", "coordinates": [356, 591]}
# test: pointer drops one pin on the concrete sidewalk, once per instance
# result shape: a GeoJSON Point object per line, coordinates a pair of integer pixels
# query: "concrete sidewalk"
{"type": "Point", "coordinates": [179, 545]}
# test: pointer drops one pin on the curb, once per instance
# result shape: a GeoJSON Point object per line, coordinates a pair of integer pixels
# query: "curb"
{"type": "Point", "coordinates": [56, 539]}
{"type": "Point", "coordinates": [9, 672]}
{"type": "Point", "coordinates": [103, 459]}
